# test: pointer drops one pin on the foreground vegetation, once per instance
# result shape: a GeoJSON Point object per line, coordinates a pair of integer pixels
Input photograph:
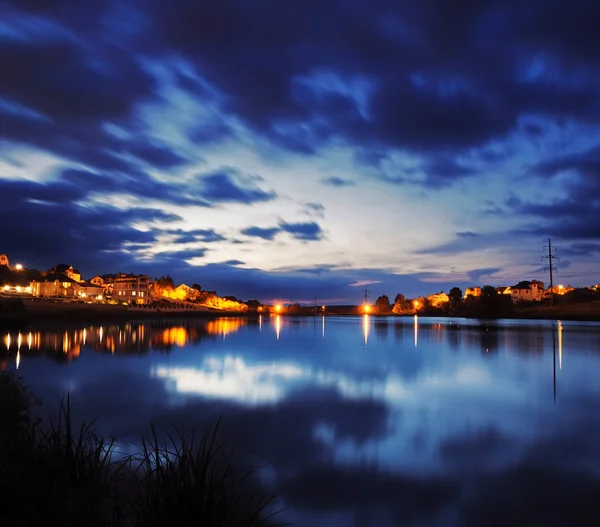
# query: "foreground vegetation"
{"type": "Point", "coordinates": [61, 475]}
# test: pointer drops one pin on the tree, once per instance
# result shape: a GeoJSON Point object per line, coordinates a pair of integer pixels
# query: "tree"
{"type": "Point", "coordinates": [383, 301]}
{"type": "Point", "coordinates": [400, 299]}
{"type": "Point", "coordinates": [197, 287]}
{"type": "Point", "coordinates": [455, 295]}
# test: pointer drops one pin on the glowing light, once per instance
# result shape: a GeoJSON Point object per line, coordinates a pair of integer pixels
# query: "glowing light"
{"type": "Point", "coordinates": [7, 341]}
{"type": "Point", "coordinates": [18, 360]}
{"type": "Point", "coordinates": [323, 327]}
{"type": "Point", "coordinates": [366, 325]}
{"type": "Point", "coordinates": [416, 330]}
{"type": "Point", "coordinates": [99, 297]}
{"type": "Point", "coordinates": [224, 326]}
{"type": "Point", "coordinates": [173, 337]}
{"type": "Point", "coordinates": [29, 340]}
{"type": "Point", "coordinates": [260, 323]}
{"type": "Point", "coordinates": [19, 340]}
{"type": "Point", "coordinates": [366, 308]}
{"type": "Point", "coordinates": [560, 330]}
{"type": "Point", "coordinates": [278, 308]}
{"type": "Point", "coordinates": [277, 326]}
{"type": "Point", "coordinates": [416, 304]}
{"type": "Point", "coordinates": [101, 333]}
{"type": "Point", "coordinates": [18, 288]}
{"type": "Point", "coordinates": [84, 336]}
{"type": "Point", "coordinates": [18, 267]}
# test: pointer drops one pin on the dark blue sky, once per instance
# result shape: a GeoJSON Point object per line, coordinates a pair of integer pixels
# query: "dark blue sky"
{"type": "Point", "coordinates": [287, 150]}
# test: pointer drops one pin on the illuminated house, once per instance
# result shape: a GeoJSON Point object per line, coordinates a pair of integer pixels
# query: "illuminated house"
{"type": "Point", "coordinates": [91, 291]}
{"type": "Point", "coordinates": [55, 285]}
{"type": "Point", "coordinates": [132, 289]}
{"type": "Point", "coordinates": [97, 280]}
{"type": "Point", "coordinates": [504, 290]}
{"type": "Point", "coordinates": [73, 274]}
{"type": "Point", "coordinates": [472, 291]}
{"type": "Point", "coordinates": [4, 260]}
{"type": "Point", "coordinates": [438, 299]}
{"type": "Point", "coordinates": [527, 291]}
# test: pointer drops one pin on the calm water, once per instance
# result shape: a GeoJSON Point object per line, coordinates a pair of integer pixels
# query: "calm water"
{"type": "Point", "coordinates": [358, 421]}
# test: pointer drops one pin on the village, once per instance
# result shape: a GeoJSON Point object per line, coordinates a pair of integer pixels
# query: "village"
{"type": "Point", "coordinates": [66, 284]}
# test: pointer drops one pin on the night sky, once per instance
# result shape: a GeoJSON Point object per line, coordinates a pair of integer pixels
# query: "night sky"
{"type": "Point", "coordinates": [298, 149]}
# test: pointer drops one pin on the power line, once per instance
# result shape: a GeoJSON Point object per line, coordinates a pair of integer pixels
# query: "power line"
{"type": "Point", "coordinates": [550, 267]}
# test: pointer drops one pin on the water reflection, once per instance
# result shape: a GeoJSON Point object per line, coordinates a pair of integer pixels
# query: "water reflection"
{"type": "Point", "coordinates": [437, 424]}
{"type": "Point", "coordinates": [66, 345]}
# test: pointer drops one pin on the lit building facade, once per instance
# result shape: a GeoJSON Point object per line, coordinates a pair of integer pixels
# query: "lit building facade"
{"type": "Point", "coordinates": [132, 289]}
{"type": "Point", "coordinates": [4, 260]}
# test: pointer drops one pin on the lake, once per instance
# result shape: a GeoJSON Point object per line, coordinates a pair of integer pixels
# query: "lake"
{"type": "Point", "coordinates": [357, 421]}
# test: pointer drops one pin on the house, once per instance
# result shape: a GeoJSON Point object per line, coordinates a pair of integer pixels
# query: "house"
{"type": "Point", "coordinates": [438, 299]}
{"type": "Point", "coordinates": [55, 285]}
{"type": "Point", "coordinates": [132, 289]}
{"type": "Point", "coordinates": [97, 280]}
{"type": "Point", "coordinates": [473, 291]}
{"type": "Point", "coordinates": [504, 290]}
{"type": "Point", "coordinates": [90, 291]}
{"type": "Point", "coordinates": [4, 260]}
{"type": "Point", "coordinates": [73, 274]}
{"type": "Point", "coordinates": [527, 291]}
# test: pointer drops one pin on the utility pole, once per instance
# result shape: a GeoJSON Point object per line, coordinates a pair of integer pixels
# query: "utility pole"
{"type": "Point", "coordinates": [366, 296]}
{"type": "Point", "coordinates": [550, 267]}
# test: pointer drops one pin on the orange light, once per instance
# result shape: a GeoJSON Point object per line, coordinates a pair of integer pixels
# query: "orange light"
{"type": "Point", "coordinates": [416, 304]}
{"type": "Point", "coordinates": [367, 308]}
{"type": "Point", "coordinates": [19, 267]}
{"type": "Point", "coordinates": [278, 308]}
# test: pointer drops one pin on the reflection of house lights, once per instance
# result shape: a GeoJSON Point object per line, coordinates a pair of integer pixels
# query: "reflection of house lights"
{"type": "Point", "coordinates": [260, 323]}
{"type": "Point", "coordinates": [323, 326]}
{"type": "Point", "coordinates": [18, 360]}
{"type": "Point", "coordinates": [7, 341]}
{"type": "Point", "coordinates": [560, 330]}
{"type": "Point", "coordinates": [19, 340]}
{"type": "Point", "coordinates": [366, 328]}
{"type": "Point", "coordinates": [416, 330]}
{"type": "Point", "coordinates": [277, 326]}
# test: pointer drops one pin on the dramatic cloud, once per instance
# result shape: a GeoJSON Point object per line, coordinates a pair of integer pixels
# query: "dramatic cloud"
{"type": "Point", "coordinates": [403, 128]}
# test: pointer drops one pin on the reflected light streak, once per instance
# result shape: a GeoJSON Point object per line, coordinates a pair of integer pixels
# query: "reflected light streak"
{"type": "Point", "coordinates": [7, 340]}
{"type": "Point", "coordinates": [101, 334]}
{"type": "Point", "coordinates": [18, 360]}
{"type": "Point", "coordinates": [260, 323]}
{"type": "Point", "coordinates": [416, 330]}
{"type": "Point", "coordinates": [19, 340]}
{"type": "Point", "coordinates": [84, 336]}
{"type": "Point", "coordinates": [29, 340]}
{"type": "Point", "coordinates": [366, 324]}
{"type": "Point", "coordinates": [224, 326]}
{"type": "Point", "coordinates": [277, 326]}
{"type": "Point", "coordinates": [560, 330]}
{"type": "Point", "coordinates": [177, 336]}
{"type": "Point", "coordinates": [323, 327]}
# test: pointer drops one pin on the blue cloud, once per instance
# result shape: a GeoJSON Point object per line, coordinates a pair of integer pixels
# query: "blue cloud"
{"type": "Point", "coordinates": [338, 182]}
{"type": "Point", "coordinates": [266, 233]}
{"type": "Point", "coordinates": [225, 186]}
{"type": "Point", "coordinates": [309, 231]}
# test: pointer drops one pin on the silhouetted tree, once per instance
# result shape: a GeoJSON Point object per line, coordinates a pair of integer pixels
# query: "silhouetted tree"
{"type": "Point", "coordinates": [197, 287]}
{"type": "Point", "coordinates": [382, 301]}
{"type": "Point", "coordinates": [455, 295]}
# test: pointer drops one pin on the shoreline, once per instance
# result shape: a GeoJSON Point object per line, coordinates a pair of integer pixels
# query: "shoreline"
{"type": "Point", "coordinates": [65, 314]}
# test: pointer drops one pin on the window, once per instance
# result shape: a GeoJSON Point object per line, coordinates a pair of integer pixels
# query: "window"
{"type": "Point", "coordinates": [133, 293]}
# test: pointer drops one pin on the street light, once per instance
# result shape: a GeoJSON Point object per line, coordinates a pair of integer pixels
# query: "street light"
{"type": "Point", "coordinates": [278, 308]}
{"type": "Point", "coordinates": [18, 267]}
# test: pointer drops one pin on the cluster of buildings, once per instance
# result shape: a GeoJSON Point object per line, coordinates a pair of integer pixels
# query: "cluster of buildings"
{"type": "Point", "coordinates": [525, 291]}
{"type": "Point", "coordinates": [65, 282]}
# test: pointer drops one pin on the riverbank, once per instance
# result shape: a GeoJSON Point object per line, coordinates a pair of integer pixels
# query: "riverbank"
{"type": "Point", "coordinates": [66, 474]}
{"type": "Point", "coordinates": [20, 314]}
